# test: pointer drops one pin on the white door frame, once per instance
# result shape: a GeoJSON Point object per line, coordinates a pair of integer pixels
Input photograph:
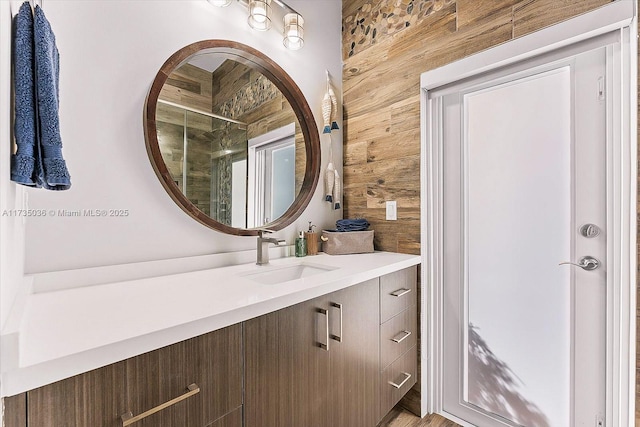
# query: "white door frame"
{"type": "Point", "coordinates": [620, 17]}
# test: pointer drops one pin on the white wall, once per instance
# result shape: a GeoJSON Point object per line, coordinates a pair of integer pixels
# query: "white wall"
{"type": "Point", "coordinates": [110, 52]}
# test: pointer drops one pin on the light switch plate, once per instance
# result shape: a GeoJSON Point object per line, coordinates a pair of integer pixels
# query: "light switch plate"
{"type": "Point", "coordinates": [392, 213]}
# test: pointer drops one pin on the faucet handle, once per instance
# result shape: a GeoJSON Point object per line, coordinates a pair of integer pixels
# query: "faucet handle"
{"type": "Point", "coordinates": [262, 231]}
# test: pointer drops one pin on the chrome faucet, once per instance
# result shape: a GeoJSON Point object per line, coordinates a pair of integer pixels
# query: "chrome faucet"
{"type": "Point", "coordinates": [263, 245]}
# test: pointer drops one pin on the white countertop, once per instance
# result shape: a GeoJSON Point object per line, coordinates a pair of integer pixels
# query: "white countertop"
{"type": "Point", "coordinates": [67, 332]}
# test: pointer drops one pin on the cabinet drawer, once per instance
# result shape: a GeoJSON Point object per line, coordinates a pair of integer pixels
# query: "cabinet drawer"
{"type": "Point", "coordinates": [157, 380]}
{"type": "Point", "coordinates": [397, 379]}
{"type": "Point", "coordinates": [397, 292]}
{"type": "Point", "coordinates": [397, 335]}
{"type": "Point", "coordinates": [95, 398]}
{"type": "Point", "coordinates": [160, 379]}
{"type": "Point", "coordinates": [232, 419]}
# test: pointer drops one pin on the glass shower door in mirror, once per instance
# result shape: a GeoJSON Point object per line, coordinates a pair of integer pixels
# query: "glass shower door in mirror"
{"type": "Point", "coordinates": [199, 151]}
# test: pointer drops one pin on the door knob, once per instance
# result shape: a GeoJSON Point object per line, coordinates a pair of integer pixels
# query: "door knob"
{"type": "Point", "coordinates": [588, 263]}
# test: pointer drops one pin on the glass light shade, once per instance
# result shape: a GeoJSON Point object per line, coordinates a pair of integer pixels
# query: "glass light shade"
{"type": "Point", "coordinates": [220, 3]}
{"type": "Point", "coordinates": [293, 31]}
{"type": "Point", "coordinates": [260, 14]}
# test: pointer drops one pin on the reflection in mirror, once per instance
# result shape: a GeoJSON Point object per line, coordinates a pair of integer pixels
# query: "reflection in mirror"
{"type": "Point", "coordinates": [271, 162]}
{"type": "Point", "coordinates": [230, 141]}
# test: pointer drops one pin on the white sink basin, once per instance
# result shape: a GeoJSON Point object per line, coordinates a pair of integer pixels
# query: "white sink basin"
{"type": "Point", "coordinates": [274, 275]}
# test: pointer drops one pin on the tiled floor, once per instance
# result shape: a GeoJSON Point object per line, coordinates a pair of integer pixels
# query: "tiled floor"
{"type": "Point", "coordinates": [399, 417]}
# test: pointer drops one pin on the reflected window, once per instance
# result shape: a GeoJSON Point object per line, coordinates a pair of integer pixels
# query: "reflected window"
{"type": "Point", "coordinates": [272, 172]}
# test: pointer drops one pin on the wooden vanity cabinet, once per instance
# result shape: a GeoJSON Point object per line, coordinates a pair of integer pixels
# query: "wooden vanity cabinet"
{"type": "Point", "coordinates": [355, 360]}
{"type": "Point", "coordinates": [339, 360]}
{"type": "Point", "coordinates": [95, 398]}
{"type": "Point", "coordinates": [100, 397]}
{"type": "Point", "coordinates": [15, 410]}
{"type": "Point", "coordinates": [398, 336]}
{"type": "Point", "coordinates": [315, 363]}
{"type": "Point", "coordinates": [212, 362]}
{"type": "Point", "coordinates": [286, 373]}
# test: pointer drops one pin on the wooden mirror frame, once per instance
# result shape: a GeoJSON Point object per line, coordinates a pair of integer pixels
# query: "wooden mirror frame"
{"type": "Point", "coordinates": [258, 61]}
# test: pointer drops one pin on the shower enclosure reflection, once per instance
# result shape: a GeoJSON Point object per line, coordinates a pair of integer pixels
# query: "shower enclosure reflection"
{"type": "Point", "coordinates": [199, 151]}
{"type": "Point", "coordinates": [231, 141]}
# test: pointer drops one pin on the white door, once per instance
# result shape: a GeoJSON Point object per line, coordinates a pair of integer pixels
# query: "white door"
{"type": "Point", "coordinates": [524, 190]}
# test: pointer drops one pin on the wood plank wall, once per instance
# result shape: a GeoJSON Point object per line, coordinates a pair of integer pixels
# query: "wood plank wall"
{"type": "Point", "coordinates": [386, 45]}
{"type": "Point", "coordinates": [385, 49]}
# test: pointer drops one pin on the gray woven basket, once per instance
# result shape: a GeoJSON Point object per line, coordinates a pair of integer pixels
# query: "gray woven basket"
{"type": "Point", "coordinates": [348, 242]}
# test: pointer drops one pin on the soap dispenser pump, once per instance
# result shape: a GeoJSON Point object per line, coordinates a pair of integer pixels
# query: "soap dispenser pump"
{"type": "Point", "coordinates": [301, 245]}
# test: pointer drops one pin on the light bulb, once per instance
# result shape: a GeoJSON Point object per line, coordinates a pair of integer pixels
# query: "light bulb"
{"type": "Point", "coordinates": [260, 14]}
{"type": "Point", "coordinates": [220, 3]}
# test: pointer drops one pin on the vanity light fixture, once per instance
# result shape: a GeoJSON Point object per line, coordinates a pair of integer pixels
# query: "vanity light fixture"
{"type": "Point", "coordinates": [260, 19]}
{"type": "Point", "coordinates": [293, 31]}
{"type": "Point", "coordinates": [260, 14]}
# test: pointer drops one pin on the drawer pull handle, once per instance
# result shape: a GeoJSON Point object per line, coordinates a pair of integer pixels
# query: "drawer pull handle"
{"type": "Point", "coordinates": [405, 335]}
{"type": "Point", "coordinates": [128, 418]}
{"type": "Point", "coordinates": [407, 376]}
{"type": "Point", "coordinates": [400, 292]}
{"type": "Point", "coordinates": [325, 313]}
{"type": "Point", "coordinates": [339, 307]}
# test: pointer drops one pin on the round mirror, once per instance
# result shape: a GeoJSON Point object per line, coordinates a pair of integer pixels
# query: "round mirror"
{"type": "Point", "coordinates": [232, 138]}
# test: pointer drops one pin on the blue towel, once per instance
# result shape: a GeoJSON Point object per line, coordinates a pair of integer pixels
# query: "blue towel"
{"type": "Point", "coordinates": [38, 159]}
{"type": "Point", "coordinates": [25, 162]}
{"type": "Point", "coordinates": [358, 224]}
{"type": "Point", "coordinates": [56, 176]}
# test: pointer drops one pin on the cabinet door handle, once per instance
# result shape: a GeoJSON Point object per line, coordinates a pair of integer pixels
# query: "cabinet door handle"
{"type": "Point", "coordinates": [400, 292]}
{"type": "Point", "coordinates": [326, 318]}
{"type": "Point", "coordinates": [405, 335]}
{"type": "Point", "coordinates": [128, 418]}
{"type": "Point", "coordinates": [339, 307]}
{"type": "Point", "coordinates": [406, 378]}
